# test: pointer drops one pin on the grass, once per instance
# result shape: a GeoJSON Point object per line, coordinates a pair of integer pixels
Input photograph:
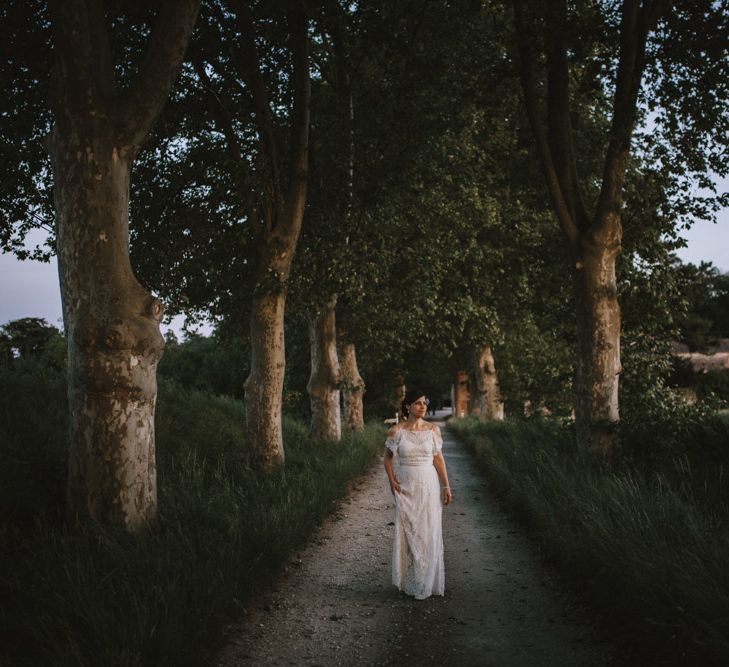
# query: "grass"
{"type": "Point", "coordinates": [89, 596]}
{"type": "Point", "coordinates": [644, 547]}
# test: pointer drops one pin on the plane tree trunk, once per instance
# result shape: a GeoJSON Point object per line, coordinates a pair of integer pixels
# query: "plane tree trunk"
{"type": "Point", "coordinates": [353, 387]}
{"type": "Point", "coordinates": [324, 381]}
{"type": "Point", "coordinates": [111, 321]}
{"type": "Point", "coordinates": [489, 406]}
{"type": "Point", "coordinates": [264, 384]}
{"type": "Point", "coordinates": [598, 344]}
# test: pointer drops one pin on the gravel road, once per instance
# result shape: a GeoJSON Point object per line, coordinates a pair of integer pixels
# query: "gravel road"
{"type": "Point", "coordinates": [335, 605]}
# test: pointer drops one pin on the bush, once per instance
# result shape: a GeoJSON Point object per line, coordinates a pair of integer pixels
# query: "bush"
{"type": "Point", "coordinates": [206, 363]}
{"type": "Point", "coordinates": [95, 595]}
{"type": "Point", "coordinates": [33, 438]}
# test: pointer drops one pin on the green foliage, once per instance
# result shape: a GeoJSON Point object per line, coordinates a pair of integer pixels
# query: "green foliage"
{"type": "Point", "coordinates": [208, 364]}
{"type": "Point", "coordinates": [686, 93]}
{"type": "Point", "coordinates": [26, 200]}
{"type": "Point", "coordinates": [714, 383]}
{"type": "Point", "coordinates": [90, 596]}
{"type": "Point", "coordinates": [535, 365]}
{"type": "Point", "coordinates": [642, 545]}
{"type": "Point", "coordinates": [652, 304]}
{"type": "Point", "coordinates": [32, 339]}
{"type": "Point", "coordinates": [705, 319]}
{"type": "Point", "coordinates": [426, 210]}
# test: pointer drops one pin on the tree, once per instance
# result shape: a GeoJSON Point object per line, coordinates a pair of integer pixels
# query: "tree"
{"type": "Point", "coordinates": [29, 335]}
{"type": "Point", "coordinates": [401, 257]}
{"type": "Point", "coordinates": [33, 338]}
{"type": "Point", "coordinates": [329, 217]}
{"type": "Point", "coordinates": [275, 214]}
{"type": "Point", "coordinates": [593, 237]}
{"type": "Point", "coordinates": [111, 321]}
{"type": "Point", "coordinates": [221, 192]}
{"type": "Point", "coordinates": [231, 161]}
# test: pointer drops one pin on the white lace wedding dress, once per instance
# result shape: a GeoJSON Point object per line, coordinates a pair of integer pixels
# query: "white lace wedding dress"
{"type": "Point", "coordinates": [417, 550]}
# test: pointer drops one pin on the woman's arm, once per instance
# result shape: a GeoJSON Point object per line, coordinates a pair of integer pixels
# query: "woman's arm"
{"type": "Point", "coordinates": [440, 466]}
{"type": "Point", "coordinates": [390, 470]}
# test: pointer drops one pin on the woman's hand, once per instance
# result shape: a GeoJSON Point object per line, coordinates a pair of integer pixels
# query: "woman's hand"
{"type": "Point", "coordinates": [394, 485]}
{"type": "Point", "coordinates": [447, 495]}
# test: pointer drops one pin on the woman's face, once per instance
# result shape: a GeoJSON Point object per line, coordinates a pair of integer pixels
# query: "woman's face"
{"type": "Point", "coordinates": [418, 407]}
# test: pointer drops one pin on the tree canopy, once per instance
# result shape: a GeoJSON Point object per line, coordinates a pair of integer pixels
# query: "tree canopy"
{"type": "Point", "coordinates": [426, 212]}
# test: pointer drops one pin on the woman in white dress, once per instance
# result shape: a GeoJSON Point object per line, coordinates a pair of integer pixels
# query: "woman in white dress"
{"type": "Point", "coordinates": [416, 469]}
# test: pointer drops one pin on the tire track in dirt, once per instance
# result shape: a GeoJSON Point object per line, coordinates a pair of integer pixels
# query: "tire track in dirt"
{"type": "Point", "coordinates": [334, 604]}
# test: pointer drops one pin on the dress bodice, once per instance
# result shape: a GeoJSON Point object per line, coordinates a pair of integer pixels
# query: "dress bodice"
{"type": "Point", "coordinates": [415, 448]}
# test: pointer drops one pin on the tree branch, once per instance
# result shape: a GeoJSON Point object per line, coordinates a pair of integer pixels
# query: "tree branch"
{"type": "Point", "coordinates": [77, 71]}
{"type": "Point", "coordinates": [102, 62]}
{"type": "Point", "coordinates": [219, 112]}
{"type": "Point", "coordinates": [559, 126]}
{"type": "Point", "coordinates": [299, 164]}
{"type": "Point", "coordinates": [268, 153]}
{"type": "Point", "coordinates": [224, 119]}
{"type": "Point", "coordinates": [635, 23]}
{"type": "Point", "coordinates": [141, 106]}
{"type": "Point", "coordinates": [526, 59]}
{"type": "Point", "coordinates": [344, 92]}
{"type": "Point", "coordinates": [334, 12]}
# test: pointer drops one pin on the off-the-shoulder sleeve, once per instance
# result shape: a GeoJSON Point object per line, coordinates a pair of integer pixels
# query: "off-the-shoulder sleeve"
{"type": "Point", "coordinates": [437, 441]}
{"type": "Point", "coordinates": [393, 441]}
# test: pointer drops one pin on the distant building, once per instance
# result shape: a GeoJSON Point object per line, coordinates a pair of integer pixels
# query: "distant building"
{"type": "Point", "coordinates": [717, 358]}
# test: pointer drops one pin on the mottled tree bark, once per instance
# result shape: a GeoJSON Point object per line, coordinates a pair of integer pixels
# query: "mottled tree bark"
{"type": "Point", "coordinates": [594, 240]}
{"type": "Point", "coordinates": [486, 392]}
{"type": "Point", "coordinates": [114, 342]}
{"type": "Point", "coordinates": [323, 385]}
{"type": "Point", "coordinates": [353, 388]}
{"type": "Point", "coordinates": [111, 321]}
{"type": "Point", "coordinates": [598, 341]}
{"type": "Point", "coordinates": [461, 394]}
{"type": "Point", "coordinates": [264, 385]}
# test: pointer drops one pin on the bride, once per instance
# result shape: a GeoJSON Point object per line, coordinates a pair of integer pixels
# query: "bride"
{"type": "Point", "coordinates": [414, 464]}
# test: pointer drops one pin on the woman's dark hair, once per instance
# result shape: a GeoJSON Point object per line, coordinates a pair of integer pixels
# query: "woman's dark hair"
{"type": "Point", "coordinates": [410, 397]}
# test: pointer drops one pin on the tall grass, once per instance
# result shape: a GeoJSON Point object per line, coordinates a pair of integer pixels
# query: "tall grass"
{"type": "Point", "coordinates": [91, 596]}
{"type": "Point", "coordinates": [646, 554]}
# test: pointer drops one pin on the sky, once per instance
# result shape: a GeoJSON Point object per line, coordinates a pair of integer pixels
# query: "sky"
{"type": "Point", "coordinates": [30, 289]}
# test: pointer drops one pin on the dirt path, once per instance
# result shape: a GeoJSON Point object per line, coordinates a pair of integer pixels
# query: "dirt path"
{"type": "Point", "coordinates": [335, 604]}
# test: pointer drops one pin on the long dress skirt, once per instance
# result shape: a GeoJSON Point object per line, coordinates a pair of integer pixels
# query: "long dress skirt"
{"type": "Point", "coordinates": [417, 550]}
